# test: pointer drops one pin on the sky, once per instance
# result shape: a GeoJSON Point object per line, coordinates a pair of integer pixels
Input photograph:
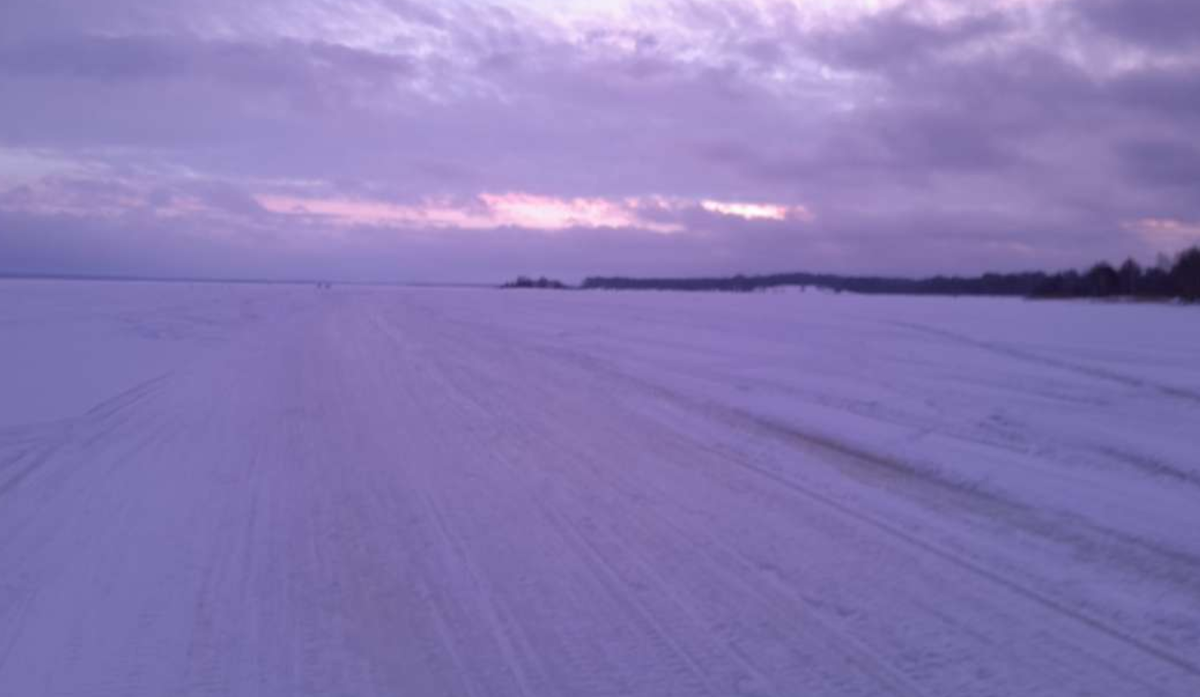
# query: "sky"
{"type": "Point", "coordinates": [471, 141]}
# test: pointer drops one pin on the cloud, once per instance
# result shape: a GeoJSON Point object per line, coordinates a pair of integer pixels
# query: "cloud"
{"type": "Point", "coordinates": [936, 135]}
{"type": "Point", "coordinates": [1161, 163]}
{"type": "Point", "coordinates": [756, 211]}
{"type": "Point", "coordinates": [1171, 24]}
{"type": "Point", "coordinates": [487, 211]}
{"type": "Point", "coordinates": [909, 33]}
{"type": "Point", "coordinates": [1166, 234]}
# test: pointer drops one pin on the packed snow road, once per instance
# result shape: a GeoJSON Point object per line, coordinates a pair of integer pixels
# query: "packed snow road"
{"type": "Point", "coordinates": [280, 491]}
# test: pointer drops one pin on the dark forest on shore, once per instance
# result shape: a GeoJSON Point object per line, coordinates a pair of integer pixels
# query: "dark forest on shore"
{"type": "Point", "coordinates": [1169, 279]}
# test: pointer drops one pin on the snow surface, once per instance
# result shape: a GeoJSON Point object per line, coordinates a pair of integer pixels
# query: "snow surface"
{"type": "Point", "coordinates": [280, 491]}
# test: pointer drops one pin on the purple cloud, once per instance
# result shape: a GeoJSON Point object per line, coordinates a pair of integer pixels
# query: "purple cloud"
{"type": "Point", "coordinates": [1154, 23]}
{"type": "Point", "coordinates": [919, 138]}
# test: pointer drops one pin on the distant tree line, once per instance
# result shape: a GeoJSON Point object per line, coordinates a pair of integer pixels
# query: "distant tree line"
{"type": "Point", "coordinates": [1179, 278]}
{"type": "Point", "coordinates": [543, 282]}
{"type": "Point", "coordinates": [988, 284]}
{"type": "Point", "coordinates": [1168, 279]}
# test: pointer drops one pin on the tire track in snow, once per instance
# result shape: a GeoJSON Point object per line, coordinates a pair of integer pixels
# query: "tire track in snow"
{"type": "Point", "coordinates": [374, 500]}
{"type": "Point", "coordinates": [895, 469]}
{"type": "Point", "coordinates": [1031, 357]}
{"type": "Point", "coordinates": [1131, 552]}
{"type": "Point", "coordinates": [1016, 587]}
{"type": "Point", "coordinates": [640, 613]}
{"type": "Point", "coordinates": [886, 674]}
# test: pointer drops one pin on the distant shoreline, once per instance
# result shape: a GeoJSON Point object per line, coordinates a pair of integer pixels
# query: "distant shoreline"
{"type": "Point", "coordinates": [1179, 279]}
{"type": "Point", "coordinates": [237, 281]}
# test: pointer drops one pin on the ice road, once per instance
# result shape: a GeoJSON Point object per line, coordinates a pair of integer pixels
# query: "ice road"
{"type": "Point", "coordinates": [275, 491]}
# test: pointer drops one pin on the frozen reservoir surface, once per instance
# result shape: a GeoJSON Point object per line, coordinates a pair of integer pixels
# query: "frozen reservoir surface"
{"type": "Point", "coordinates": [277, 491]}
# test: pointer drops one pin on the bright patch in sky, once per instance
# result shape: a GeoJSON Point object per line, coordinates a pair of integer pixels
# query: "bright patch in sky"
{"type": "Point", "coordinates": [549, 213]}
{"type": "Point", "coordinates": [1165, 233]}
{"type": "Point", "coordinates": [523, 210]}
{"type": "Point", "coordinates": [749, 211]}
{"type": "Point", "coordinates": [520, 210]}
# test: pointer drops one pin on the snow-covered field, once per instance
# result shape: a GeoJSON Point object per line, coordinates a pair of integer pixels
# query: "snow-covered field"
{"type": "Point", "coordinates": [279, 491]}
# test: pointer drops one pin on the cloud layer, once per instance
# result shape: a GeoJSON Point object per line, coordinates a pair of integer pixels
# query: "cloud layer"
{"type": "Point", "coordinates": [396, 140]}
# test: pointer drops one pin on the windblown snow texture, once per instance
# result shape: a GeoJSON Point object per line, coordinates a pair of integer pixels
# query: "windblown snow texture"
{"type": "Point", "coordinates": [279, 492]}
